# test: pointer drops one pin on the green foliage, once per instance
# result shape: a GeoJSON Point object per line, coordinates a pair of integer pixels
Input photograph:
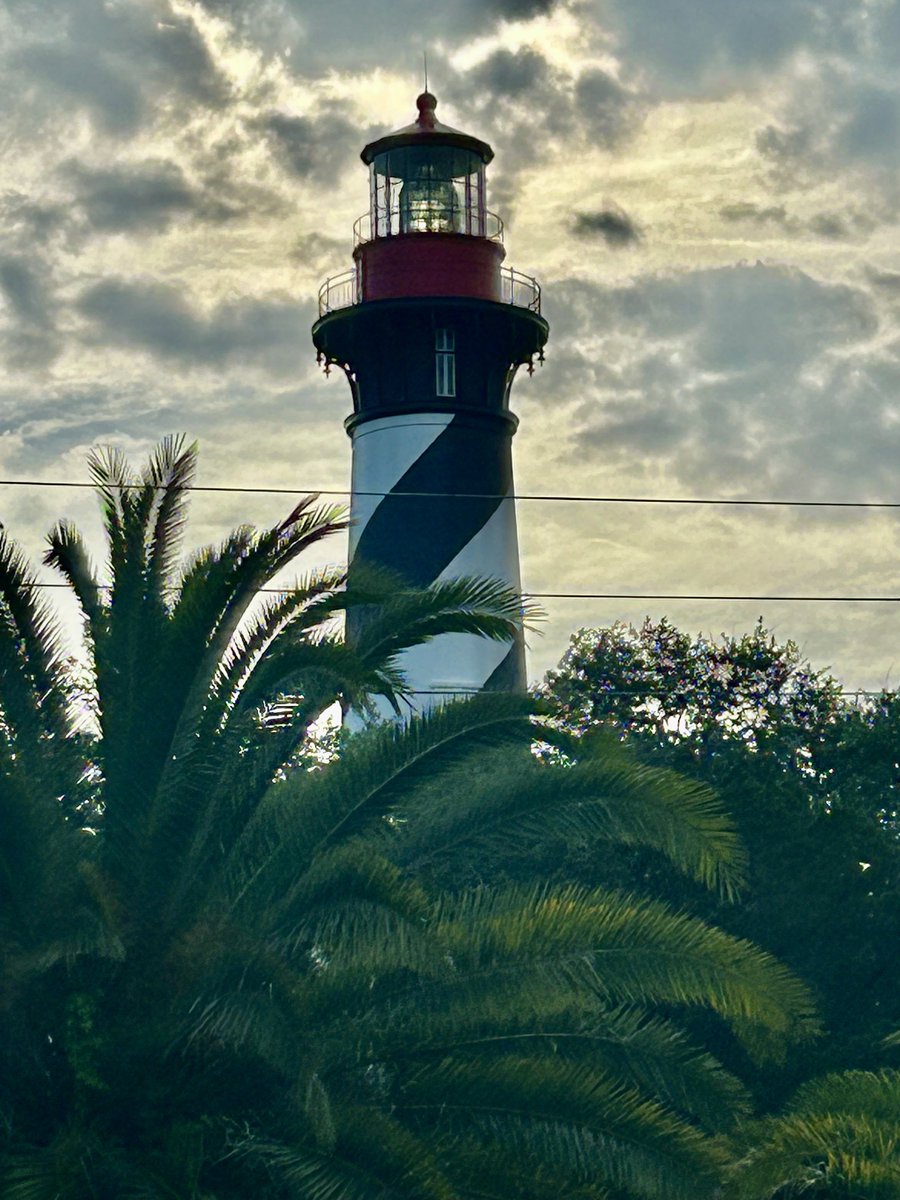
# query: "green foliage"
{"type": "Point", "coordinates": [228, 971]}
{"type": "Point", "coordinates": [839, 1136]}
{"type": "Point", "coordinates": [811, 779]}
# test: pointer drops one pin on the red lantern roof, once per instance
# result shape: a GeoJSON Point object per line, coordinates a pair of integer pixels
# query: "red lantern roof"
{"type": "Point", "coordinates": [427, 130]}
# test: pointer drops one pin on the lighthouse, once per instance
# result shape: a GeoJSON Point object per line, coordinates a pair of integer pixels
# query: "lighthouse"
{"type": "Point", "coordinates": [430, 327]}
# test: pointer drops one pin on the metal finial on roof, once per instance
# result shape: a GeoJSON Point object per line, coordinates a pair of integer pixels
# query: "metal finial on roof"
{"type": "Point", "coordinates": [426, 104]}
{"type": "Point", "coordinates": [425, 59]}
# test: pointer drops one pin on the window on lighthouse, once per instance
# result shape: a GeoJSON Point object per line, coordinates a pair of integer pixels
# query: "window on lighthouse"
{"type": "Point", "coordinates": [445, 362]}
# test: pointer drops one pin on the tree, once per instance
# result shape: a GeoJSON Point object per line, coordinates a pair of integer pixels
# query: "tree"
{"type": "Point", "coordinates": [227, 974]}
{"type": "Point", "coordinates": [811, 779]}
{"type": "Point", "coordinates": [839, 1136]}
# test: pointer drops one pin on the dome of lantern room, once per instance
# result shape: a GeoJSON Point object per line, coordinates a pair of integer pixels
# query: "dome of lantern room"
{"type": "Point", "coordinates": [427, 130]}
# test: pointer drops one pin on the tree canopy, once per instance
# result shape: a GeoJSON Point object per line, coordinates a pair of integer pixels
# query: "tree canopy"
{"type": "Point", "coordinates": [811, 777]}
{"type": "Point", "coordinates": [228, 972]}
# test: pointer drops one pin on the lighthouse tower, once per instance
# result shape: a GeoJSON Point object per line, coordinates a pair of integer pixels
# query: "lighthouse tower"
{"type": "Point", "coordinates": [430, 328]}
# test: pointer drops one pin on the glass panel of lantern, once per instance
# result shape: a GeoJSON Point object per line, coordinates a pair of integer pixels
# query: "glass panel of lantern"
{"type": "Point", "coordinates": [428, 189]}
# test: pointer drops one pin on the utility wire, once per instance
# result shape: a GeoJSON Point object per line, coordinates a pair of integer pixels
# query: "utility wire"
{"type": "Point", "coordinates": [605, 595]}
{"type": "Point", "coordinates": [525, 496]}
{"type": "Point", "coordinates": [473, 691]}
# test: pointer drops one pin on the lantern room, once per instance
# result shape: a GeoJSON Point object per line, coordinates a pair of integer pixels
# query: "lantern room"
{"type": "Point", "coordinates": [427, 178]}
{"type": "Point", "coordinates": [428, 231]}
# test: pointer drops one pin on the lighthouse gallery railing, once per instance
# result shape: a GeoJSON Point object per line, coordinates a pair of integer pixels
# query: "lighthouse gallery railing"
{"type": "Point", "coordinates": [516, 288]}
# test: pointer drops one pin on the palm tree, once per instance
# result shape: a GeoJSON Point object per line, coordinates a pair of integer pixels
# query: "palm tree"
{"type": "Point", "coordinates": [838, 1137]}
{"type": "Point", "coordinates": [226, 974]}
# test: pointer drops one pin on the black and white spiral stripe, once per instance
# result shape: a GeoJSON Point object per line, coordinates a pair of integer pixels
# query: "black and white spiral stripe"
{"type": "Point", "coordinates": [432, 535]}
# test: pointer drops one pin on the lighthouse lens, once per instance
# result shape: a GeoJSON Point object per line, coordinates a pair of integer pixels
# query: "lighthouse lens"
{"type": "Point", "coordinates": [434, 189]}
{"type": "Point", "coordinates": [429, 205]}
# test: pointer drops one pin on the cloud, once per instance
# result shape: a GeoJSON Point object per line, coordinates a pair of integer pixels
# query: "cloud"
{"type": "Point", "coordinates": [838, 117]}
{"type": "Point", "coordinates": [608, 111]}
{"type": "Point", "coordinates": [142, 196]}
{"type": "Point", "coordinates": [23, 287]}
{"type": "Point", "coordinates": [515, 10]}
{"type": "Point", "coordinates": [113, 100]}
{"type": "Point", "coordinates": [506, 73]}
{"type": "Point", "coordinates": [262, 333]}
{"type": "Point", "coordinates": [743, 380]}
{"type": "Point", "coordinates": [684, 46]}
{"type": "Point", "coordinates": [344, 34]}
{"type": "Point", "coordinates": [29, 222]}
{"type": "Point", "coordinates": [828, 224]}
{"type": "Point", "coordinates": [147, 195]}
{"type": "Point", "coordinates": [121, 63]}
{"type": "Point", "coordinates": [775, 214]}
{"type": "Point", "coordinates": [313, 147]}
{"type": "Point", "coordinates": [871, 130]}
{"type": "Point", "coordinates": [28, 336]}
{"type": "Point", "coordinates": [611, 223]}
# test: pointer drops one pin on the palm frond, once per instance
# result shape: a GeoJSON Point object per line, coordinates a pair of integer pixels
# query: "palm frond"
{"type": "Point", "coordinates": [301, 818]}
{"type": "Point", "coordinates": [646, 1051]}
{"type": "Point", "coordinates": [167, 476]}
{"type": "Point", "coordinates": [68, 553]}
{"type": "Point", "coordinates": [112, 477]}
{"type": "Point", "coordinates": [32, 674]}
{"type": "Point", "coordinates": [508, 800]}
{"type": "Point", "coordinates": [397, 617]}
{"type": "Point", "coordinates": [271, 619]}
{"type": "Point", "coordinates": [624, 948]}
{"type": "Point", "coordinates": [228, 583]}
{"type": "Point", "coordinates": [373, 1157]}
{"type": "Point", "coordinates": [574, 1119]}
{"type": "Point", "coordinates": [822, 1144]}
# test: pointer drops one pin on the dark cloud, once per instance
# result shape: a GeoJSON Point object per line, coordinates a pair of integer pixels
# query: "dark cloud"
{"type": "Point", "coordinates": [157, 318]}
{"type": "Point", "coordinates": [774, 214]}
{"type": "Point", "coordinates": [835, 226]}
{"type": "Point", "coordinates": [783, 144]}
{"type": "Point", "coordinates": [872, 126]}
{"type": "Point", "coordinates": [611, 223]}
{"type": "Point", "coordinates": [890, 280]}
{"type": "Point", "coordinates": [838, 120]}
{"type": "Point", "coordinates": [515, 10]}
{"type": "Point", "coordinates": [754, 379]}
{"type": "Point", "coordinates": [28, 336]}
{"type": "Point", "coordinates": [147, 195]}
{"type": "Point", "coordinates": [520, 95]}
{"type": "Point", "coordinates": [31, 222]}
{"type": "Point", "coordinates": [125, 64]}
{"type": "Point", "coordinates": [113, 100]}
{"type": "Point", "coordinates": [608, 111]}
{"type": "Point", "coordinates": [830, 225]}
{"type": "Point", "coordinates": [317, 251]}
{"type": "Point", "coordinates": [345, 34]}
{"type": "Point", "coordinates": [508, 74]}
{"type": "Point", "coordinates": [180, 57]}
{"type": "Point", "coordinates": [314, 147]}
{"type": "Point", "coordinates": [23, 287]}
{"type": "Point", "coordinates": [686, 47]}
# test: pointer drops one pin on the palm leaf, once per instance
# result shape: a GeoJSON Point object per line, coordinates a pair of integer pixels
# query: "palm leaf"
{"type": "Point", "coordinates": [512, 800]}
{"type": "Point", "coordinates": [572, 1118]}
{"type": "Point", "coordinates": [301, 818]}
{"type": "Point", "coordinates": [624, 948]}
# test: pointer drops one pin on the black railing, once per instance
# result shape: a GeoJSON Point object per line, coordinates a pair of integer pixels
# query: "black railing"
{"type": "Point", "coordinates": [424, 217]}
{"type": "Point", "coordinates": [516, 288]}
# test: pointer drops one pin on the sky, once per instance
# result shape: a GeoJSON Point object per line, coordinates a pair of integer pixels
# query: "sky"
{"type": "Point", "coordinates": [707, 190]}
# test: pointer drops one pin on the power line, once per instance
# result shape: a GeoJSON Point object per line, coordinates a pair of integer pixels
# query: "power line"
{"type": "Point", "coordinates": [524, 496]}
{"type": "Point", "coordinates": [683, 596]}
{"type": "Point", "coordinates": [675, 691]}
{"type": "Point", "coordinates": [610, 595]}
